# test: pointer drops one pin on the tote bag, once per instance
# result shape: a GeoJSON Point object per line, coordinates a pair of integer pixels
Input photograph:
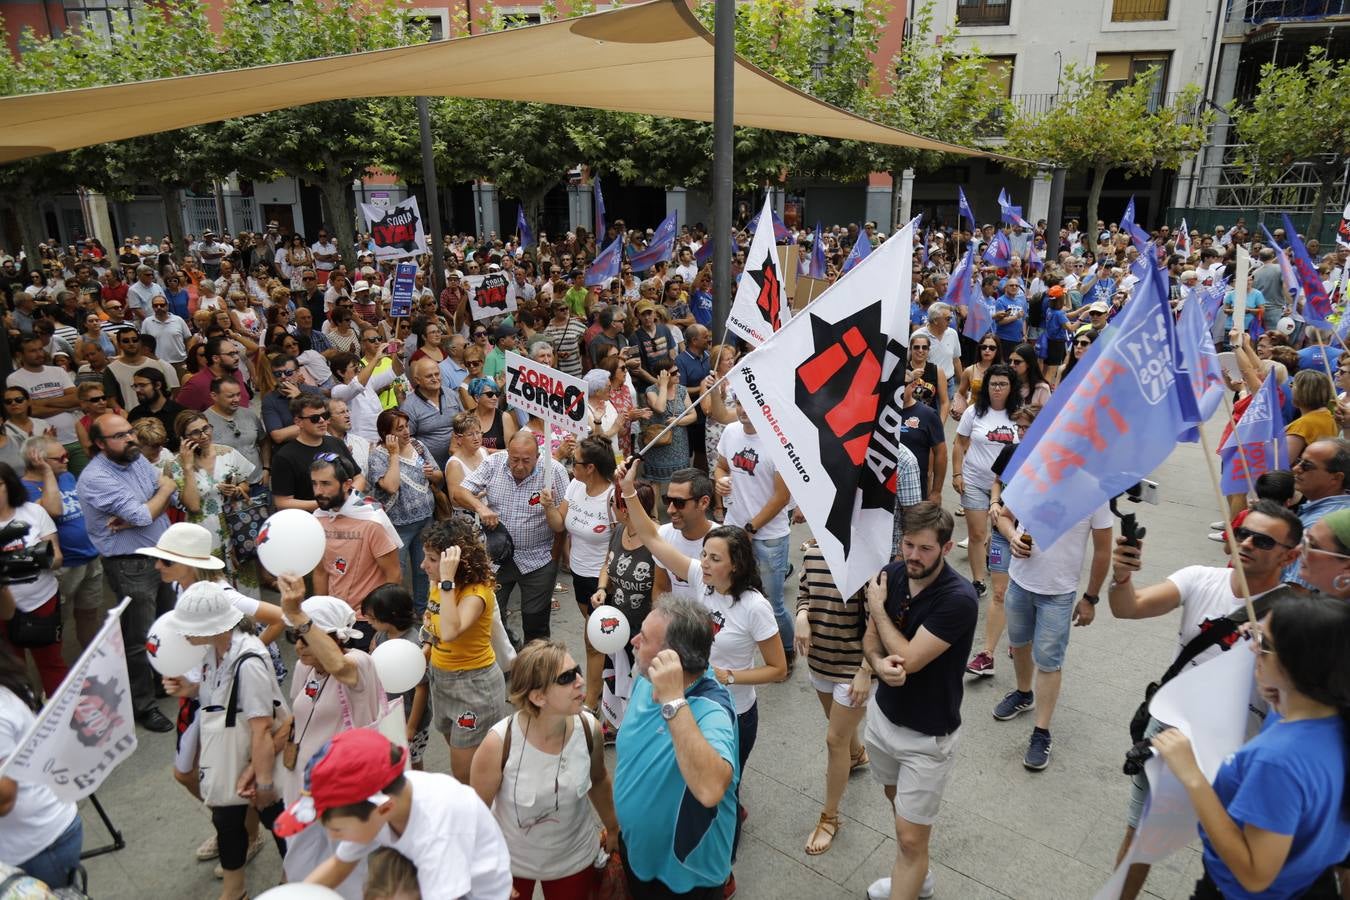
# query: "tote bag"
{"type": "Point", "coordinates": [226, 746]}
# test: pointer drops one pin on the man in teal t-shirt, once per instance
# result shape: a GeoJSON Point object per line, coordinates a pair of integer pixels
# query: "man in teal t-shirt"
{"type": "Point", "coordinates": [677, 836]}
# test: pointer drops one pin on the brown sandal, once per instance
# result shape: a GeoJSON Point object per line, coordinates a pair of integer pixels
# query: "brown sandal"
{"type": "Point", "coordinates": [857, 762]}
{"type": "Point", "coordinates": [827, 824]}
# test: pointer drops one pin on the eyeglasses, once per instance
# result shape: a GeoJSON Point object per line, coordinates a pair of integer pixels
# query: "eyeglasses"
{"type": "Point", "coordinates": [999, 386]}
{"type": "Point", "coordinates": [1306, 545]}
{"type": "Point", "coordinates": [283, 373]}
{"type": "Point", "coordinates": [15, 401]}
{"type": "Point", "coordinates": [372, 340]}
{"type": "Point", "coordinates": [915, 348]}
{"type": "Point", "coordinates": [1300, 463]}
{"type": "Point", "coordinates": [681, 502]}
{"type": "Point", "coordinates": [1263, 643]}
{"type": "Point", "coordinates": [64, 457]}
{"type": "Point", "coordinates": [488, 394]}
{"type": "Point", "coordinates": [568, 676]}
{"type": "Point", "coordinates": [473, 363]}
{"type": "Point", "coordinates": [1259, 541]}
{"type": "Point", "coordinates": [1082, 343]}
{"type": "Point", "coordinates": [478, 334]}
{"type": "Point", "coordinates": [316, 419]}
{"type": "Point", "coordinates": [117, 435]}
{"type": "Point", "coordinates": [988, 347]}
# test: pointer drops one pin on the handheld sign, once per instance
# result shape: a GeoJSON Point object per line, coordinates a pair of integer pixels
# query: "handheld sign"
{"type": "Point", "coordinates": [401, 295]}
{"type": "Point", "coordinates": [492, 294]}
{"type": "Point", "coordinates": [1244, 262]}
{"type": "Point", "coordinates": [543, 391]}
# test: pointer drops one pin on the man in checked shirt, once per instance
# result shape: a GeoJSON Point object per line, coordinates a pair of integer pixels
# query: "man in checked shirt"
{"type": "Point", "coordinates": [522, 495]}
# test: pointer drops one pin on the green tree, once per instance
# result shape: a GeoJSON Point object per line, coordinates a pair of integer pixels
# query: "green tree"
{"type": "Point", "coordinates": [1300, 114]}
{"type": "Point", "coordinates": [1096, 128]}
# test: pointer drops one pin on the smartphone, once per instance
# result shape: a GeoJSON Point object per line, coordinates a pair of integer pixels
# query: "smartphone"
{"type": "Point", "coordinates": [1148, 491]}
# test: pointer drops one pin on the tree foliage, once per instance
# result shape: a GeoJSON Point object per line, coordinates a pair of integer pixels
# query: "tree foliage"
{"type": "Point", "coordinates": [1301, 114]}
{"type": "Point", "coordinates": [1095, 127]}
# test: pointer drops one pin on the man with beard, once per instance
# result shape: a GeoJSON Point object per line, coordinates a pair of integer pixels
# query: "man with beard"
{"type": "Point", "coordinates": [123, 498]}
{"type": "Point", "coordinates": [291, 461]}
{"type": "Point", "coordinates": [688, 498]}
{"type": "Point", "coordinates": [222, 361]}
{"type": "Point", "coordinates": [919, 632]}
{"type": "Point", "coordinates": [152, 390]}
{"type": "Point", "coordinates": [361, 552]}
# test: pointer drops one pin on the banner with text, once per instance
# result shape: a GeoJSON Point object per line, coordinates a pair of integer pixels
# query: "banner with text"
{"type": "Point", "coordinates": [400, 295]}
{"type": "Point", "coordinates": [87, 728]}
{"type": "Point", "coordinates": [396, 231]}
{"type": "Point", "coordinates": [492, 294]}
{"type": "Point", "coordinates": [543, 391]}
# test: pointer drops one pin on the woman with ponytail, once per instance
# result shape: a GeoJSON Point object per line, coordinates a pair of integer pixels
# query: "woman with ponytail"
{"type": "Point", "coordinates": [1277, 817]}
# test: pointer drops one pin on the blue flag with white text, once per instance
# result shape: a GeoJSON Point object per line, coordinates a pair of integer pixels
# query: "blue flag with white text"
{"type": "Point", "coordinates": [607, 264]}
{"type": "Point", "coordinates": [659, 248]}
{"type": "Point", "coordinates": [1010, 213]}
{"type": "Point", "coordinates": [1256, 445]}
{"type": "Point", "coordinates": [999, 251]}
{"type": "Point", "coordinates": [965, 207]}
{"type": "Point", "coordinates": [780, 230]}
{"type": "Point", "coordinates": [1316, 302]}
{"type": "Point", "coordinates": [861, 247]}
{"type": "Point", "coordinates": [1201, 364]}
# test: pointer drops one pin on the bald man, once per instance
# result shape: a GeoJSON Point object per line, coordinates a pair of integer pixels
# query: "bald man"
{"type": "Point", "coordinates": [431, 410]}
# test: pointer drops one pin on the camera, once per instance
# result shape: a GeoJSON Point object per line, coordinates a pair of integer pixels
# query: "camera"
{"type": "Point", "coordinates": [22, 565]}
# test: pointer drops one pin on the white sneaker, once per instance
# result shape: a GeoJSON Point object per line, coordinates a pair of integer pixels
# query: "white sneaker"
{"type": "Point", "coordinates": [881, 888]}
{"type": "Point", "coordinates": [1217, 526]}
{"type": "Point", "coordinates": [1218, 537]}
{"type": "Point", "coordinates": [964, 543]}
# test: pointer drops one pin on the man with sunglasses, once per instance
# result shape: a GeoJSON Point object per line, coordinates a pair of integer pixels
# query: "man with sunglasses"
{"type": "Point", "coordinates": [291, 486]}
{"type": "Point", "coordinates": [131, 358]}
{"type": "Point", "coordinates": [688, 498]}
{"type": "Point", "coordinates": [1322, 476]}
{"type": "Point", "coordinates": [1211, 607]}
{"type": "Point", "coordinates": [276, 403]}
{"type": "Point", "coordinates": [170, 332]}
{"type": "Point", "coordinates": [240, 428]}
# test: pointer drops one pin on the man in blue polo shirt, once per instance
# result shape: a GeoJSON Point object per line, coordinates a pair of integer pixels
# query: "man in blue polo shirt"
{"type": "Point", "coordinates": [677, 833]}
{"type": "Point", "coordinates": [1010, 316]}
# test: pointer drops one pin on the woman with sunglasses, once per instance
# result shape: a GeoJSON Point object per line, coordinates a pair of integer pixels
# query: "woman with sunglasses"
{"type": "Point", "coordinates": [1035, 389]}
{"type": "Point", "coordinates": [209, 474]}
{"type": "Point", "coordinates": [496, 426]}
{"type": "Point", "coordinates": [930, 388]}
{"type": "Point", "coordinates": [669, 402]}
{"type": "Point", "coordinates": [466, 453]}
{"type": "Point", "coordinates": [1324, 562]}
{"type": "Point", "coordinates": [542, 772]}
{"type": "Point", "coordinates": [19, 423]}
{"type": "Point", "coordinates": [296, 260]}
{"type": "Point", "coordinates": [467, 693]}
{"type": "Point", "coordinates": [1082, 340]}
{"type": "Point", "coordinates": [972, 377]}
{"type": "Point", "coordinates": [985, 429]}
{"type": "Point", "coordinates": [1277, 816]}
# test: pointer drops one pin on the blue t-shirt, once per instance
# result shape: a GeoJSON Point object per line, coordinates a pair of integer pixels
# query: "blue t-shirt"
{"type": "Point", "coordinates": [1056, 322]}
{"type": "Point", "coordinates": [76, 548]}
{"type": "Point", "coordinates": [670, 836]}
{"type": "Point", "coordinates": [1310, 357]}
{"type": "Point", "coordinates": [693, 369]}
{"type": "Point", "coordinates": [1013, 329]}
{"type": "Point", "coordinates": [701, 304]}
{"type": "Point", "coordinates": [178, 304]}
{"type": "Point", "coordinates": [1290, 780]}
{"type": "Point", "coordinates": [1255, 302]}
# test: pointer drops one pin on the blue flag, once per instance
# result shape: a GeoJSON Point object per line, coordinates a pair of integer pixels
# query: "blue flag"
{"type": "Point", "coordinates": [1211, 298]}
{"type": "Point", "coordinates": [1316, 302]}
{"type": "Point", "coordinates": [780, 231]}
{"type": "Point", "coordinates": [599, 209]}
{"type": "Point", "coordinates": [1286, 270]}
{"type": "Point", "coordinates": [965, 207]}
{"type": "Point", "coordinates": [861, 247]}
{"type": "Point", "coordinates": [963, 291]}
{"type": "Point", "coordinates": [660, 248]}
{"type": "Point", "coordinates": [704, 254]}
{"type": "Point", "coordinates": [817, 268]}
{"type": "Point", "coordinates": [1111, 423]}
{"type": "Point", "coordinates": [523, 228]}
{"type": "Point", "coordinates": [1256, 445]}
{"type": "Point", "coordinates": [1010, 213]}
{"type": "Point", "coordinates": [999, 251]}
{"type": "Point", "coordinates": [1201, 363]}
{"type": "Point", "coordinates": [1034, 263]}
{"type": "Point", "coordinates": [606, 265]}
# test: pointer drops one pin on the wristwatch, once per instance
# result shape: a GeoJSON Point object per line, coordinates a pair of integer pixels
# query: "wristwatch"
{"type": "Point", "coordinates": [448, 584]}
{"type": "Point", "coordinates": [1092, 598]}
{"type": "Point", "coordinates": [298, 630]}
{"type": "Point", "coordinates": [751, 528]}
{"type": "Point", "coordinates": [731, 677]}
{"type": "Point", "coordinates": [669, 710]}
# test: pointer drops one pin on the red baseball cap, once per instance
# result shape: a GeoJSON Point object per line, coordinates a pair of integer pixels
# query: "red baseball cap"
{"type": "Point", "coordinates": [353, 767]}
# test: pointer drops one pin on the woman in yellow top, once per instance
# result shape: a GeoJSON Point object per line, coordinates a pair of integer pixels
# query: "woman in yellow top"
{"type": "Point", "coordinates": [468, 695]}
{"type": "Point", "coordinates": [1312, 396]}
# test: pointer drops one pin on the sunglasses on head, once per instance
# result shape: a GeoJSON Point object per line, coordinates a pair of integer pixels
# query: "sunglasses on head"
{"type": "Point", "coordinates": [568, 676]}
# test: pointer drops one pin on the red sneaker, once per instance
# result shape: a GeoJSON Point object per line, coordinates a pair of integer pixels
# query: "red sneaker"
{"type": "Point", "coordinates": [981, 664]}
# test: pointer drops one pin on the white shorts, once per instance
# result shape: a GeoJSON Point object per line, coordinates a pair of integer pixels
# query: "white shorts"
{"type": "Point", "coordinates": [918, 765]}
{"type": "Point", "coordinates": [837, 691]}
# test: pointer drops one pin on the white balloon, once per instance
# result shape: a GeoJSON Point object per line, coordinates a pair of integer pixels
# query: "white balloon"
{"type": "Point", "coordinates": [400, 664]}
{"type": "Point", "coordinates": [1286, 325]}
{"type": "Point", "coordinates": [291, 542]}
{"type": "Point", "coordinates": [169, 651]}
{"type": "Point", "coordinates": [300, 891]}
{"type": "Point", "coordinates": [607, 629]}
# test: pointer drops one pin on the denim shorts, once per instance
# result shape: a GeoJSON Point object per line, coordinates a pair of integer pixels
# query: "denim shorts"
{"type": "Point", "coordinates": [973, 497]}
{"type": "Point", "coordinates": [1000, 553]}
{"type": "Point", "coordinates": [1042, 620]}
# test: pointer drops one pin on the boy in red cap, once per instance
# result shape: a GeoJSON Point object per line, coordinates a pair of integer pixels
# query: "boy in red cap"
{"type": "Point", "coordinates": [357, 787]}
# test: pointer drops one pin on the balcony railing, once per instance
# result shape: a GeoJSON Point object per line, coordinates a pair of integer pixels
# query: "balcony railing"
{"type": "Point", "coordinates": [1139, 10]}
{"type": "Point", "coordinates": [1259, 11]}
{"type": "Point", "coordinates": [1038, 104]}
{"type": "Point", "coordinates": [983, 12]}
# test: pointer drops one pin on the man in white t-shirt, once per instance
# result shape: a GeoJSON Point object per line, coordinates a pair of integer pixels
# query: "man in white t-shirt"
{"type": "Point", "coordinates": [52, 392]}
{"type": "Point", "coordinates": [757, 500]}
{"type": "Point", "coordinates": [357, 787]}
{"type": "Point", "coordinates": [688, 499]}
{"type": "Point", "coordinates": [1268, 541]}
{"type": "Point", "coordinates": [326, 256]}
{"type": "Point", "coordinates": [1039, 604]}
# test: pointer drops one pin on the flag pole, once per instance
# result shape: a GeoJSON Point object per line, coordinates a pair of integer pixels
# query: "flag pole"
{"type": "Point", "coordinates": [1251, 484]}
{"type": "Point", "coordinates": [1228, 532]}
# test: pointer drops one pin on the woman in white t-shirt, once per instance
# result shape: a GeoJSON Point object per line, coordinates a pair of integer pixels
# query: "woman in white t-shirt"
{"type": "Point", "coordinates": [586, 515]}
{"type": "Point", "coordinates": [38, 833]}
{"type": "Point", "coordinates": [542, 772]}
{"type": "Point", "coordinates": [986, 428]}
{"type": "Point", "coordinates": [726, 580]}
{"type": "Point", "coordinates": [39, 601]}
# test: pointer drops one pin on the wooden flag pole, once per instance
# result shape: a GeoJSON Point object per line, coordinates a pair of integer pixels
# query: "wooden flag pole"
{"type": "Point", "coordinates": [1228, 532]}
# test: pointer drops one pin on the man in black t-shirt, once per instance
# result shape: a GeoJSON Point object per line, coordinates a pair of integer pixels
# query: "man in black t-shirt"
{"type": "Point", "coordinates": [921, 623]}
{"type": "Point", "coordinates": [291, 486]}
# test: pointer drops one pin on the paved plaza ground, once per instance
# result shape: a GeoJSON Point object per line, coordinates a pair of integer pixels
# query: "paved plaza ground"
{"type": "Point", "coordinates": [1003, 831]}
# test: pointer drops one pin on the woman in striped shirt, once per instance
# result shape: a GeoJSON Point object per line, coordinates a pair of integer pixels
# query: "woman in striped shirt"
{"type": "Point", "coordinates": [829, 635]}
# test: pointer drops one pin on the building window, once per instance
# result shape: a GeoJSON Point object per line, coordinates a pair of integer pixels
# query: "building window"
{"type": "Point", "coordinates": [99, 16]}
{"type": "Point", "coordinates": [1139, 10]}
{"type": "Point", "coordinates": [1120, 69]}
{"type": "Point", "coordinates": [434, 23]}
{"type": "Point", "coordinates": [1000, 71]}
{"type": "Point", "coordinates": [983, 12]}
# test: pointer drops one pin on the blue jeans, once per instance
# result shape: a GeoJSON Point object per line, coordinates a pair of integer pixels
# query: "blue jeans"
{"type": "Point", "coordinates": [56, 865]}
{"type": "Point", "coordinates": [411, 556]}
{"type": "Point", "coordinates": [1042, 620]}
{"type": "Point", "coordinates": [772, 556]}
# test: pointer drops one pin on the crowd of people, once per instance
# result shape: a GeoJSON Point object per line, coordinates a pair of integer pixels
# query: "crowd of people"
{"type": "Point", "coordinates": [165, 400]}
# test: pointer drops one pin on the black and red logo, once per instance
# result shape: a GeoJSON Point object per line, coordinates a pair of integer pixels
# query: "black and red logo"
{"type": "Point", "coordinates": [491, 293]}
{"type": "Point", "coordinates": [534, 499]}
{"type": "Point", "coordinates": [396, 228]}
{"type": "Point", "coordinates": [340, 566]}
{"type": "Point", "coordinates": [467, 720]}
{"type": "Point", "coordinates": [609, 624]}
{"type": "Point", "coordinates": [747, 460]}
{"type": "Point", "coordinates": [841, 387]}
{"type": "Point", "coordinates": [719, 621]}
{"type": "Point", "coordinates": [1001, 435]}
{"type": "Point", "coordinates": [152, 645]}
{"type": "Point", "coordinates": [770, 299]}
{"type": "Point", "coordinates": [262, 534]}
